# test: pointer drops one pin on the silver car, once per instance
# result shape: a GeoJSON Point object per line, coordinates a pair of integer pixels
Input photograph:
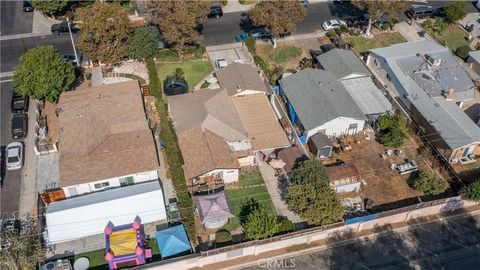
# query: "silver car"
{"type": "Point", "coordinates": [14, 156]}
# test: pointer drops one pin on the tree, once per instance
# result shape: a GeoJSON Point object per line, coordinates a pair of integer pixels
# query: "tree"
{"type": "Point", "coordinates": [105, 32]}
{"type": "Point", "coordinates": [455, 11]}
{"type": "Point", "coordinates": [280, 17]}
{"type": "Point", "coordinates": [311, 171]}
{"type": "Point", "coordinates": [260, 223]}
{"type": "Point", "coordinates": [392, 130]}
{"type": "Point", "coordinates": [50, 7]}
{"type": "Point", "coordinates": [463, 51]}
{"type": "Point", "coordinates": [24, 249]}
{"type": "Point", "coordinates": [473, 191]}
{"type": "Point", "coordinates": [318, 206]}
{"type": "Point", "coordinates": [144, 43]}
{"type": "Point", "coordinates": [179, 21]}
{"type": "Point", "coordinates": [430, 183]}
{"type": "Point", "coordinates": [43, 74]}
{"type": "Point", "coordinates": [378, 8]}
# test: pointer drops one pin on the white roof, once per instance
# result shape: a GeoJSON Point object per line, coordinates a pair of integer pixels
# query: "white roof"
{"type": "Point", "coordinates": [87, 215]}
{"type": "Point", "coordinates": [367, 95]}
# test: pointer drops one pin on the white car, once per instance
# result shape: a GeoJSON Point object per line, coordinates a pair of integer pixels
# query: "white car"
{"type": "Point", "coordinates": [333, 24]}
{"type": "Point", "coordinates": [14, 156]}
{"type": "Point", "coordinates": [220, 63]}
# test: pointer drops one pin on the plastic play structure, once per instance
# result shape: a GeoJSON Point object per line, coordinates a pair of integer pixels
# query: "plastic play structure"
{"type": "Point", "coordinates": [124, 245]}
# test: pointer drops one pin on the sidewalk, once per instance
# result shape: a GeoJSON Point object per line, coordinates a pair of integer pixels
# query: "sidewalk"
{"type": "Point", "coordinates": [42, 24]}
{"type": "Point", "coordinates": [235, 6]}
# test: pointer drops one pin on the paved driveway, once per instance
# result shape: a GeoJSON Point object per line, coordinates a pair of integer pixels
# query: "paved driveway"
{"type": "Point", "coordinates": [229, 52]}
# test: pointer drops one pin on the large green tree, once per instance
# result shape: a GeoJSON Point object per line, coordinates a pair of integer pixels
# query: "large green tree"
{"type": "Point", "coordinates": [179, 21]}
{"type": "Point", "coordinates": [455, 11]}
{"type": "Point", "coordinates": [43, 74]}
{"type": "Point", "coordinates": [378, 8]}
{"type": "Point", "coordinates": [105, 32]}
{"type": "Point", "coordinates": [392, 130]}
{"type": "Point", "coordinates": [260, 223]}
{"type": "Point", "coordinates": [430, 183]}
{"type": "Point", "coordinates": [311, 171]}
{"type": "Point", "coordinates": [22, 250]}
{"type": "Point", "coordinates": [317, 205]}
{"type": "Point", "coordinates": [280, 17]}
{"type": "Point", "coordinates": [50, 7]}
{"type": "Point", "coordinates": [144, 42]}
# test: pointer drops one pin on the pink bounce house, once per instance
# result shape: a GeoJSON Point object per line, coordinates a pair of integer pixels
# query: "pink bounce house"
{"type": "Point", "coordinates": [124, 245]}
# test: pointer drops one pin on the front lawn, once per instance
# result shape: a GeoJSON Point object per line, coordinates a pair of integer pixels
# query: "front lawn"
{"type": "Point", "coordinates": [453, 37]}
{"type": "Point", "coordinates": [361, 44]}
{"type": "Point", "coordinates": [249, 187]}
{"type": "Point", "coordinates": [195, 71]}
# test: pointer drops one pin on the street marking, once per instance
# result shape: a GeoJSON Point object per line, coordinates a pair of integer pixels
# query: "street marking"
{"type": "Point", "coordinates": [6, 74]}
{"type": "Point", "coordinates": [22, 36]}
{"type": "Point", "coordinates": [6, 81]}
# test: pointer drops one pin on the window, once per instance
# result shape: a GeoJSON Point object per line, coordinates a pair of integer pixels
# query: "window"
{"type": "Point", "coordinates": [72, 191]}
{"type": "Point", "coordinates": [97, 186]}
{"type": "Point", "coordinates": [126, 181]}
{"type": "Point", "coordinates": [105, 184]}
{"type": "Point", "coordinates": [353, 126]}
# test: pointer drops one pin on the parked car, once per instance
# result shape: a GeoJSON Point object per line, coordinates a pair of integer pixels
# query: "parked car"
{"type": "Point", "coordinates": [62, 28]}
{"type": "Point", "coordinates": [19, 126]}
{"type": "Point", "coordinates": [260, 33]}
{"type": "Point", "coordinates": [333, 24]}
{"type": "Point", "coordinates": [14, 154]}
{"type": "Point", "coordinates": [420, 11]}
{"type": "Point", "coordinates": [215, 12]}
{"type": "Point", "coordinates": [71, 58]}
{"type": "Point", "coordinates": [327, 47]}
{"type": "Point", "coordinates": [27, 7]}
{"type": "Point", "coordinates": [220, 63]}
{"type": "Point", "coordinates": [19, 103]}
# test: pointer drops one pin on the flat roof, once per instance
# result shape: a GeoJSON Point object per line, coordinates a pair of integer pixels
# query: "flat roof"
{"type": "Point", "coordinates": [367, 96]}
{"type": "Point", "coordinates": [261, 124]}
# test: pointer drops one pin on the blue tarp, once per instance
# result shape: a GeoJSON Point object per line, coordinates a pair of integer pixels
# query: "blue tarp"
{"type": "Point", "coordinates": [361, 219]}
{"type": "Point", "coordinates": [172, 241]}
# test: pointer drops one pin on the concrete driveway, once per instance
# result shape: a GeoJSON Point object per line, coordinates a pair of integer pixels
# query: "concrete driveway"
{"type": "Point", "coordinates": [229, 52]}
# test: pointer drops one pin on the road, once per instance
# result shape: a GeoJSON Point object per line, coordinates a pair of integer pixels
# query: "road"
{"type": "Point", "coordinates": [451, 244]}
{"type": "Point", "coordinates": [14, 20]}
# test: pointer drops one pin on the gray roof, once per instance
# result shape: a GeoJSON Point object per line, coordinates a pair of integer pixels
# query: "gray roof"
{"type": "Point", "coordinates": [367, 95]}
{"type": "Point", "coordinates": [318, 97]}
{"type": "Point", "coordinates": [245, 76]}
{"type": "Point", "coordinates": [475, 56]}
{"type": "Point", "coordinates": [320, 140]}
{"type": "Point", "coordinates": [425, 84]}
{"type": "Point", "coordinates": [342, 63]}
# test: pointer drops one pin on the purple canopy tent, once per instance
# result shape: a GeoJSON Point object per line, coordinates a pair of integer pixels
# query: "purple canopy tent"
{"type": "Point", "coordinates": [213, 209]}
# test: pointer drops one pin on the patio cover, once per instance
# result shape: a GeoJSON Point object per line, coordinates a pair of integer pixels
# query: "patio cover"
{"type": "Point", "coordinates": [123, 242]}
{"type": "Point", "coordinates": [213, 207]}
{"type": "Point", "coordinates": [172, 241]}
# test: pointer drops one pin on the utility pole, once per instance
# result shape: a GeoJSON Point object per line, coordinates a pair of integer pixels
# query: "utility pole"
{"type": "Point", "coordinates": [73, 43]}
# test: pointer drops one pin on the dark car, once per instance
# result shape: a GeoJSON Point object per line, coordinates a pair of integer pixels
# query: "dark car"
{"type": "Point", "coordinates": [19, 126]}
{"type": "Point", "coordinates": [27, 7]}
{"type": "Point", "coordinates": [327, 47]}
{"type": "Point", "coordinates": [62, 28]}
{"type": "Point", "coordinates": [215, 12]}
{"type": "Point", "coordinates": [19, 103]}
{"type": "Point", "coordinates": [420, 12]}
{"type": "Point", "coordinates": [260, 33]}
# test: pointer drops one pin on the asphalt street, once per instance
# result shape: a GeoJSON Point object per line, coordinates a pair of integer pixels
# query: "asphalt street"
{"type": "Point", "coordinates": [451, 244]}
{"type": "Point", "coordinates": [14, 20]}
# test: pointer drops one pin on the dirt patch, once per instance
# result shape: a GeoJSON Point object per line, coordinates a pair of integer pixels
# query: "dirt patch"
{"type": "Point", "coordinates": [267, 52]}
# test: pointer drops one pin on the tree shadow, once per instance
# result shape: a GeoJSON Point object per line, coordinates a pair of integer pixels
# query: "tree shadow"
{"type": "Point", "coordinates": [247, 207]}
{"type": "Point", "coordinates": [345, 10]}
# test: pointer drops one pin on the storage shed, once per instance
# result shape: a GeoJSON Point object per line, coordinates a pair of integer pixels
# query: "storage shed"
{"type": "Point", "coordinates": [320, 145]}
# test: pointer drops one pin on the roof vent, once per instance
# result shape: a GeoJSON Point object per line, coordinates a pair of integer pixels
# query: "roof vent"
{"type": "Point", "coordinates": [433, 61]}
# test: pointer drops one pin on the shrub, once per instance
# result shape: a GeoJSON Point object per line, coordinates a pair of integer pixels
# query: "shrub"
{"type": "Point", "coordinates": [428, 23]}
{"type": "Point", "coordinates": [167, 55]}
{"type": "Point", "coordinates": [430, 183]}
{"type": "Point", "coordinates": [285, 226]}
{"type": "Point", "coordinates": [343, 28]}
{"type": "Point", "coordinates": [392, 130]}
{"type": "Point", "coordinates": [260, 62]}
{"type": "Point", "coordinates": [440, 25]}
{"type": "Point", "coordinates": [385, 26]}
{"type": "Point", "coordinates": [197, 51]}
{"type": "Point", "coordinates": [455, 11]}
{"type": "Point", "coordinates": [463, 51]}
{"type": "Point", "coordinates": [395, 20]}
{"type": "Point", "coordinates": [224, 2]}
{"type": "Point", "coordinates": [205, 84]}
{"type": "Point", "coordinates": [331, 34]}
{"type": "Point", "coordinates": [222, 236]}
{"type": "Point", "coordinates": [473, 191]}
{"type": "Point", "coordinates": [250, 43]}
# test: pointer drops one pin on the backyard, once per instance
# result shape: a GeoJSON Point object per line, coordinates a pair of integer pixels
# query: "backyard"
{"type": "Point", "coordinates": [194, 70]}
{"type": "Point", "coordinates": [361, 44]}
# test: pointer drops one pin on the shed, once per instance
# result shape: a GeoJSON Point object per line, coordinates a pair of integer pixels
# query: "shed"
{"type": "Point", "coordinates": [292, 156]}
{"type": "Point", "coordinates": [172, 241]}
{"type": "Point", "coordinates": [213, 210]}
{"type": "Point", "coordinates": [320, 145]}
{"type": "Point", "coordinates": [344, 177]}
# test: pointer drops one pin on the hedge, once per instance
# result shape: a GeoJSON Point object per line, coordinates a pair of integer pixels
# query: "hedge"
{"type": "Point", "coordinates": [223, 236]}
{"type": "Point", "coordinates": [172, 151]}
{"type": "Point", "coordinates": [285, 226]}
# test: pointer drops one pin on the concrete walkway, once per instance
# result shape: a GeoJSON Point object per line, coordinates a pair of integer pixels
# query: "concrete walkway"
{"type": "Point", "coordinates": [275, 192]}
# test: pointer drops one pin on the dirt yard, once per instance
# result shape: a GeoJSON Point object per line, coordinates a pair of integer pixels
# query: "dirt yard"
{"type": "Point", "coordinates": [287, 54]}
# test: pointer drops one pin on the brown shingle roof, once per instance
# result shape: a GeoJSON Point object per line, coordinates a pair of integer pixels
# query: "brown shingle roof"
{"type": "Point", "coordinates": [204, 151]}
{"type": "Point", "coordinates": [260, 122]}
{"type": "Point", "coordinates": [210, 109]}
{"type": "Point", "coordinates": [104, 134]}
{"type": "Point", "coordinates": [342, 171]}
{"type": "Point", "coordinates": [245, 76]}
{"type": "Point", "coordinates": [292, 156]}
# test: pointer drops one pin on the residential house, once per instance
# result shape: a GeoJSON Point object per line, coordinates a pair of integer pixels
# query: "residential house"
{"type": "Point", "coordinates": [357, 79]}
{"type": "Point", "coordinates": [72, 222]}
{"type": "Point", "coordinates": [242, 79]}
{"type": "Point", "coordinates": [431, 85]}
{"type": "Point", "coordinates": [344, 177]}
{"type": "Point", "coordinates": [474, 60]}
{"type": "Point", "coordinates": [104, 139]}
{"type": "Point", "coordinates": [318, 103]}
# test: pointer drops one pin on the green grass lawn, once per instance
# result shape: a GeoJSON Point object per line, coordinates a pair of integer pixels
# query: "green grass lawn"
{"type": "Point", "coordinates": [453, 37]}
{"type": "Point", "coordinates": [237, 196]}
{"type": "Point", "coordinates": [284, 54]}
{"type": "Point", "coordinates": [361, 44]}
{"type": "Point", "coordinates": [96, 257]}
{"type": "Point", "coordinates": [195, 71]}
